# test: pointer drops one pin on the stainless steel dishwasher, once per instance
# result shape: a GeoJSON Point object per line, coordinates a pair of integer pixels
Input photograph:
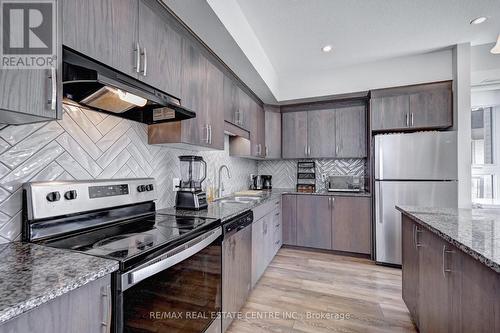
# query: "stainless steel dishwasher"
{"type": "Point", "coordinates": [236, 265]}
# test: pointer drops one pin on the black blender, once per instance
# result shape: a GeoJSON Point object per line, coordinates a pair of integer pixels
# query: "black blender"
{"type": "Point", "coordinates": [190, 195]}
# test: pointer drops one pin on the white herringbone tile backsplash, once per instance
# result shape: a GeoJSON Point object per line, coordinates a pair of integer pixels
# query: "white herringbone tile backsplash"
{"type": "Point", "coordinates": [284, 172]}
{"type": "Point", "coordinates": [90, 145]}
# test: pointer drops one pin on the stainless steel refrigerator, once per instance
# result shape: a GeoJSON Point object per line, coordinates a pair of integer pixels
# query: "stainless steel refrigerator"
{"type": "Point", "coordinates": [418, 169]}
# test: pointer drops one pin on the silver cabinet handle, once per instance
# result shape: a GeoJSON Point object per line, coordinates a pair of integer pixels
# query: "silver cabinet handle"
{"type": "Point", "coordinates": [308, 150]}
{"type": "Point", "coordinates": [305, 150]}
{"type": "Point", "coordinates": [336, 149]}
{"type": "Point", "coordinates": [445, 270]}
{"type": "Point", "coordinates": [407, 120]}
{"type": "Point", "coordinates": [411, 119]}
{"type": "Point", "coordinates": [207, 138]}
{"type": "Point", "coordinates": [53, 94]}
{"type": "Point", "coordinates": [329, 203]}
{"type": "Point", "coordinates": [267, 151]}
{"type": "Point", "coordinates": [137, 52]}
{"type": "Point", "coordinates": [210, 134]}
{"type": "Point", "coordinates": [106, 304]}
{"type": "Point", "coordinates": [415, 237]}
{"type": "Point", "coordinates": [144, 54]}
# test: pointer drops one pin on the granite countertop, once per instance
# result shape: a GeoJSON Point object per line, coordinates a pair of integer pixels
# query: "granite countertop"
{"type": "Point", "coordinates": [225, 211]}
{"type": "Point", "coordinates": [32, 274]}
{"type": "Point", "coordinates": [474, 231]}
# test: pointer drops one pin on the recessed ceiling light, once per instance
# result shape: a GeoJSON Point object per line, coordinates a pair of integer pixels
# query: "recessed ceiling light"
{"type": "Point", "coordinates": [479, 20]}
{"type": "Point", "coordinates": [327, 48]}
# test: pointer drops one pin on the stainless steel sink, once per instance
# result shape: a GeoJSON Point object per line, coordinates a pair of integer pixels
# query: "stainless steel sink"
{"type": "Point", "coordinates": [229, 201]}
{"type": "Point", "coordinates": [247, 199]}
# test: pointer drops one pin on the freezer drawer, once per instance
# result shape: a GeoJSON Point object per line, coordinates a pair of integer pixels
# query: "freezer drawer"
{"type": "Point", "coordinates": [388, 194]}
{"type": "Point", "coordinates": [416, 156]}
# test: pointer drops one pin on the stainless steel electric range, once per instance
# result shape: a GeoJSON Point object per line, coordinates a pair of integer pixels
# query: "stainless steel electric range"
{"type": "Point", "coordinates": [170, 266]}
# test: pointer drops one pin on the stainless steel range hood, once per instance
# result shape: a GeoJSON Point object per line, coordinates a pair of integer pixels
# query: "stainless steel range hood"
{"type": "Point", "coordinates": [101, 88]}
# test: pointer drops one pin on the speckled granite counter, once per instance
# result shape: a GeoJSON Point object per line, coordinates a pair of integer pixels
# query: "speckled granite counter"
{"type": "Point", "coordinates": [31, 275]}
{"type": "Point", "coordinates": [225, 211]}
{"type": "Point", "coordinates": [474, 231]}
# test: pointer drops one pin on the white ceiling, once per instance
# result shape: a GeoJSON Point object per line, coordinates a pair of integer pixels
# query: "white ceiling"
{"type": "Point", "coordinates": [292, 32]}
{"type": "Point", "coordinates": [274, 46]}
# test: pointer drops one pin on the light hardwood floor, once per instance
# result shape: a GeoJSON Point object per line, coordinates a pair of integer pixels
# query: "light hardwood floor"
{"type": "Point", "coordinates": [300, 282]}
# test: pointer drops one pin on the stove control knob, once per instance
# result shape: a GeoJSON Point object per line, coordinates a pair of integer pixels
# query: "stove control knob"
{"type": "Point", "coordinates": [149, 187]}
{"type": "Point", "coordinates": [141, 188]}
{"type": "Point", "coordinates": [53, 196]}
{"type": "Point", "coordinates": [70, 195]}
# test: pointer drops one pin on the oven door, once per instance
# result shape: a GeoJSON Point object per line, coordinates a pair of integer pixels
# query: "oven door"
{"type": "Point", "coordinates": [179, 291]}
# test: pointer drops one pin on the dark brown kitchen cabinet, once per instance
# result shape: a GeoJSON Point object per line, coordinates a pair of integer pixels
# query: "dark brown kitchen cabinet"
{"type": "Point", "coordinates": [350, 132]}
{"type": "Point", "coordinates": [294, 134]}
{"type": "Point", "coordinates": [410, 266]}
{"type": "Point", "coordinates": [351, 224]}
{"type": "Point", "coordinates": [84, 310]}
{"type": "Point", "coordinates": [289, 219]}
{"type": "Point", "coordinates": [321, 137]}
{"type": "Point", "coordinates": [439, 282]}
{"type": "Point", "coordinates": [104, 30]}
{"type": "Point", "coordinates": [272, 132]}
{"type": "Point", "coordinates": [480, 292]}
{"type": "Point", "coordinates": [444, 288]}
{"type": "Point", "coordinates": [236, 272]}
{"type": "Point", "coordinates": [160, 49]}
{"type": "Point", "coordinates": [431, 109]}
{"type": "Point", "coordinates": [425, 106]}
{"type": "Point", "coordinates": [314, 221]}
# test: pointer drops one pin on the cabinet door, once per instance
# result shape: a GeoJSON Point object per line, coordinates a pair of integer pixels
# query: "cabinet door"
{"type": "Point", "coordinates": [161, 46]}
{"type": "Point", "coordinates": [272, 124]}
{"type": "Point", "coordinates": [431, 109]}
{"type": "Point", "coordinates": [480, 292]}
{"type": "Point", "coordinates": [314, 221]}
{"type": "Point", "coordinates": [351, 224]}
{"type": "Point", "coordinates": [258, 250]}
{"type": "Point", "coordinates": [390, 112]}
{"type": "Point", "coordinates": [194, 131]}
{"type": "Point", "coordinates": [104, 30]}
{"type": "Point", "coordinates": [294, 135]}
{"type": "Point", "coordinates": [289, 219]}
{"type": "Point", "coordinates": [237, 259]}
{"type": "Point", "coordinates": [350, 132]}
{"type": "Point", "coordinates": [410, 269]}
{"type": "Point", "coordinates": [25, 95]}
{"type": "Point", "coordinates": [231, 102]}
{"type": "Point", "coordinates": [213, 105]}
{"type": "Point", "coordinates": [244, 114]}
{"type": "Point", "coordinates": [439, 276]}
{"type": "Point", "coordinates": [321, 133]}
{"type": "Point", "coordinates": [257, 129]}
{"type": "Point", "coordinates": [83, 310]}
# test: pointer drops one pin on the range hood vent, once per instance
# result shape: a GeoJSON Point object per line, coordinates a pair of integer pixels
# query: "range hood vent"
{"type": "Point", "coordinates": [100, 88]}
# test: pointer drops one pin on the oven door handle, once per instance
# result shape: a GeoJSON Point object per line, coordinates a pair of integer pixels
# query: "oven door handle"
{"type": "Point", "coordinates": [171, 258]}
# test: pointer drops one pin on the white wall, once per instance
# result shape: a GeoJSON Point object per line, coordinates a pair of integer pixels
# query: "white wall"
{"type": "Point", "coordinates": [435, 66]}
{"type": "Point", "coordinates": [462, 120]}
{"type": "Point", "coordinates": [485, 98]}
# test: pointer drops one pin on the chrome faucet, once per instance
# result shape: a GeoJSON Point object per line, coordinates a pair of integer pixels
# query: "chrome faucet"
{"type": "Point", "coordinates": [220, 183]}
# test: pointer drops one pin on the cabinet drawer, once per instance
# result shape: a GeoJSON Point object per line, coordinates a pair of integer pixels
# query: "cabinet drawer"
{"type": "Point", "coordinates": [266, 208]}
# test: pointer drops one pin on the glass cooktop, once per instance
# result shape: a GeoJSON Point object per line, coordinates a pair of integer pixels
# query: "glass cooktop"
{"type": "Point", "coordinates": [129, 239]}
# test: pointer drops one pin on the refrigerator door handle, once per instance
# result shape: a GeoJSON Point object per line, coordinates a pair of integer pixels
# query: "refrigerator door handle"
{"type": "Point", "coordinates": [379, 203]}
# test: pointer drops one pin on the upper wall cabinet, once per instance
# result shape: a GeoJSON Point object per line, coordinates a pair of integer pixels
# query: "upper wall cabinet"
{"type": "Point", "coordinates": [160, 49]}
{"type": "Point", "coordinates": [104, 30]}
{"type": "Point", "coordinates": [426, 106]}
{"type": "Point", "coordinates": [201, 91]}
{"type": "Point", "coordinates": [32, 95]}
{"type": "Point", "coordinates": [272, 132]}
{"type": "Point", "coordinates": [237, 105]}
{"type": "Point", "coordinates": [337, 132]}
{"type": "Point", "coordinates": [135, 37]}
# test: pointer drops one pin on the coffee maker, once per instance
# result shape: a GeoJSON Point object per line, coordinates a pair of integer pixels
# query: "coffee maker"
{"type": "Point", "coordinates": [190, 194]}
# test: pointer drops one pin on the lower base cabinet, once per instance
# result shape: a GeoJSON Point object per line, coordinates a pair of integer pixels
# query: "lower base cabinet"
{"type": "Point", "coordinates": [84, 310]}
{"type": "Point", "coordinates": [351, 224]}
{"type": "Point", "coordinates": [236, 273]}
{"type": "Point", "coordinates": [445, 289]}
